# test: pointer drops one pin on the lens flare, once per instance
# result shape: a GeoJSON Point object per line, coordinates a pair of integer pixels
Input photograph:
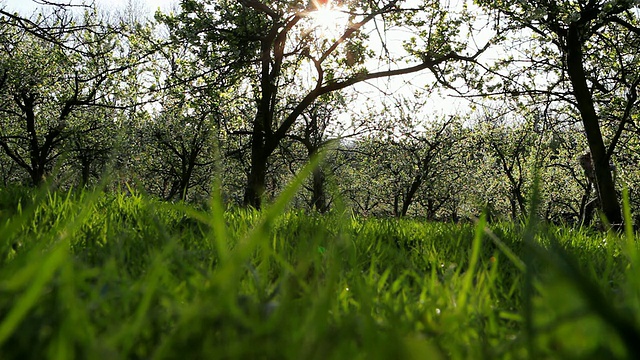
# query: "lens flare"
{"type": "Point", "coordinates": [327, 18]}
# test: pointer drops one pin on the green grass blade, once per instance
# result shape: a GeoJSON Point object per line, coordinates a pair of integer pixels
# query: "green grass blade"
{"type": "Point", "coordinates": [46, 270]}
{"type": "Point", "coordinates": [473, 261]}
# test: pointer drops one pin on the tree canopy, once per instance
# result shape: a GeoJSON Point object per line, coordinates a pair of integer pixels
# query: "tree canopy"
{"type": "Point", "coordinates": [247, 91]}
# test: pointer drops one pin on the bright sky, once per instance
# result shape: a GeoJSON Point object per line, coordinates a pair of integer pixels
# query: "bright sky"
{"type": "Point", "coordinates": [27, 7]}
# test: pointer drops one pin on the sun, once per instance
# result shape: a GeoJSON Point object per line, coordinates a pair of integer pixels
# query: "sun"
{"type": "Point", "coordinates": [329, 19]}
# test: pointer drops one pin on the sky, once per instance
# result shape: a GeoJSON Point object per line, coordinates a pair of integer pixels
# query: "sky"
{"type": "Point", "coordinates": [26, 7]}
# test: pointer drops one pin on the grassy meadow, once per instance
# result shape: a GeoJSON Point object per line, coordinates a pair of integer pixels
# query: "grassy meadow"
{"type": "Point", "coordinates": [89, 275]}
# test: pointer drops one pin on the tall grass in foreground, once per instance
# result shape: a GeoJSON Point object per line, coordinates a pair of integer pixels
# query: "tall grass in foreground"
{"type": "Point", "coordinates": [88, 275]}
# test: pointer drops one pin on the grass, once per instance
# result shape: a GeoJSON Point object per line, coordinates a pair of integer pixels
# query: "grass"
{"type": "Point", "coordinates": [88, 275]}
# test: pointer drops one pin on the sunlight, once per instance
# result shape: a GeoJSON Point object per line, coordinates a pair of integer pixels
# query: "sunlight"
{"type": "Point", "coordinates": [329, 19]}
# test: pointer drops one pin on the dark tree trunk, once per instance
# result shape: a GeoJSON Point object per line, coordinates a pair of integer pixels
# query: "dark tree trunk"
{"type": "Point", "coordinates": [256, 179]}
{"type": "Point", "coordinates": [173, 190]}
{"type": "Point", "coordinates": [587, 205]}
{"type": "Point", "coordinates": [396, 204]}
{"type": "Point", "coordinates": [37, 176]}
{"type": "Point", "coordinates": [260, 152]}
{"type": "Point", "coordinates": [184, 184]}
{"type": "Point", "coordinates": [411, 192]}
{"type": "Point", "coordinates": [516, 200]}
{"type": "Point", "coordinates": [604, 181]}
{"type": "Point", "coordinates": [431, 210]}
{"type": "Point", "coordinates": [36, 169]}
{"type": "Point", "coordinates": [318, 197]}
{"type": "Point", "coordinates": [519, 201]}
{"type": "Point", "coordinates": [188, 168]}
{"type": "Point", "coordinates": [262, 123]}
{"type": "Point", "coordinates": [514, 209]}
{"type": "Point", "coordinates": [39, 154]}
{"type": "Point", "coordinates": [318, 178]}
{"type": "Point", "coordinates": [85, 171]}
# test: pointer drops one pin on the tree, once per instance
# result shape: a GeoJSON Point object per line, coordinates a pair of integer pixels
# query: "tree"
{"type": "Point", "coordinates": [91, 143]}
{"type": "Point", "coordinates": [180, 149]}
{"type": "Point", "coordinates": [510, 142]}
{"type": "Point", "coordinates": [274, 43]}
{"type": "Point", "coordinates": [414, 167]}
{"type": "Point", "coordinates": [364, 183]}
{"type": "Point", "coordinates": [319, 127]}
{"type": "Point", "coordinates": [421, 155]}
{"type": "Point", "coordinates": [180, 137]}
{"type": "Point", "coordinates": [55, 67]}
{"type": "Point", "coordinates": [588, 49]}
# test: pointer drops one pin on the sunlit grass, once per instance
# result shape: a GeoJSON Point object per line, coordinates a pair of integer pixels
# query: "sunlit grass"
{"type": "Point", "coordinates": [93, 275]}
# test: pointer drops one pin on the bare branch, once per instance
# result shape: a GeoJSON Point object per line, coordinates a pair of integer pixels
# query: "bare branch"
{"type": "Point", "coordinates": [60, 4]}
{"type": "Point", "coordinates": [257, 5]}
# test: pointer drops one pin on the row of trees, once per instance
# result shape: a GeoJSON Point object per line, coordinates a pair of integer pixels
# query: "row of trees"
{"type": "Point", "coordinates": [250, 90]}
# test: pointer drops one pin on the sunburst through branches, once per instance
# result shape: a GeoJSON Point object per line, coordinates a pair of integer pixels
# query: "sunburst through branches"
{"type": "Point", "coordinates": [328, 18]}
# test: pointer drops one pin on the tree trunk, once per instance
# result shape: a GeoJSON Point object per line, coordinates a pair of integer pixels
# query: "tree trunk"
{"type": "Point", "coordinates": [411, 192]}
{"type": "Point", "coordinates": [396, 204]}
{"type": "Point", "coordinates": [520, 203]}
{"type": "Point", "coordinates": [586, 206]}
{"type": "Point", "coordinates": [256, 179]}
{"type": "Point", "coordinates": [431, 209]}
{"type": "Point", "coordinates": [514, 211]}
{"type": "Point", "coordinates": [188, 169]}
{"type": "Point", "coordinates": [184, 185]}
{"type": "Point", "coordinates": [604, 181]}
{"type": "Point", "coordinates": [37, 175]}
{"type": "Point", "coordinates": [85, 170]}
{"type": "Point", "coordinates": [36, 168]}
{"type": "Point", "coordinates": [318, 197]}
{"type": "Point", "coordinates": [262, 131]}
